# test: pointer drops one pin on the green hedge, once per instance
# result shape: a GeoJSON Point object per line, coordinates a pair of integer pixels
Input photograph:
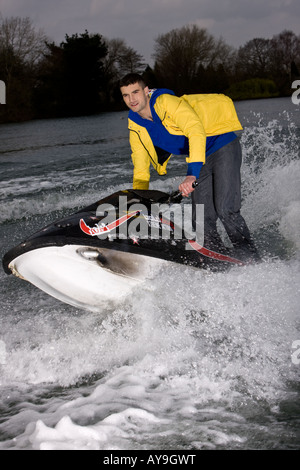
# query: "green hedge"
{"type": "Point", "coordinates": [252, 89]}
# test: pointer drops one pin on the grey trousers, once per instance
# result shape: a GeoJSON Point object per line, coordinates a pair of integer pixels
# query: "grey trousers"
{"type": "Point", "coordinates": [219, 189]}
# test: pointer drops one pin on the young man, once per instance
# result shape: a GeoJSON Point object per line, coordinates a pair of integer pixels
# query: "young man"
{"type": "Point", "coordinates": [202, 127]}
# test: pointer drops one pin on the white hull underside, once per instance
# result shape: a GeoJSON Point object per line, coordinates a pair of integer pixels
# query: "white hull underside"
{"type": "Point", "coordinates": [83, 276]}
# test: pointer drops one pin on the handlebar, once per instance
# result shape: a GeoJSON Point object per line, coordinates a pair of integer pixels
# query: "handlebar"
{"type": "Point", "coordinates": [176, 196]}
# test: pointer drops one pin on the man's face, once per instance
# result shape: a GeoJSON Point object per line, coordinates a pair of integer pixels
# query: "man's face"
{"type": "Point", "coordinates": [135, 97]}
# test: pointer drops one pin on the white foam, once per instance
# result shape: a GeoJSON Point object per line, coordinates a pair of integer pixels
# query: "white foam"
{"type": "Point", "coordinates": [216, 337]}
{"type": "Point", "coordinates": [290, 222]}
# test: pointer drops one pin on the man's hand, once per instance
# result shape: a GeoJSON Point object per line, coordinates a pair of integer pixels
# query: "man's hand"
{"type": "Point", "coordinates": [186, 186]}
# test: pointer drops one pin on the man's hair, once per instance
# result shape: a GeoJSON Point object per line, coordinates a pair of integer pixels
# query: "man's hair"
{"type": "Point", "coordinates": [131, 79]}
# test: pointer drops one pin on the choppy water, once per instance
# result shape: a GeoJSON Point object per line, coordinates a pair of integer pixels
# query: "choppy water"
{"type": "Point", "coordinates": [193, 360]}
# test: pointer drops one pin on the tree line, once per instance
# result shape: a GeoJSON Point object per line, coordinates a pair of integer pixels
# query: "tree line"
{"type": "Point", "coordinates": [80, 75]}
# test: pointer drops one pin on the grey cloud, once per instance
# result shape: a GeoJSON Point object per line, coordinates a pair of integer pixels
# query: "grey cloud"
{"type": "Point", "coordinates": [138, 22]}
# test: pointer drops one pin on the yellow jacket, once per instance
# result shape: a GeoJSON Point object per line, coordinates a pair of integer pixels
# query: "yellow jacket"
{"type": "Point", "coordinates": [195, 116]}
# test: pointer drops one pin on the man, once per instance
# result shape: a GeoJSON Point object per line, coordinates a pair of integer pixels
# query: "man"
{"type": "Point", "coordinates": [202, 127]}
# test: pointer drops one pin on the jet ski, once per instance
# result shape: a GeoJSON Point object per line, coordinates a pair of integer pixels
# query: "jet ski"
{"type": "Point", "coordinates": [102, 252]}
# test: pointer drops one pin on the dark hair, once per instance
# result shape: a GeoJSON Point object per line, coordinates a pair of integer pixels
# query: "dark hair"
{"type": "Point", "coordinates": [131, 79]}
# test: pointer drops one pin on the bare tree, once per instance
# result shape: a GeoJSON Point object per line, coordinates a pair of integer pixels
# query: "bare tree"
{"type": "Point", "coordinates": [253, 59]}
{"type": "Point", "coordinates": [21, 47]}
{"type": "Point", "coordinates": [122, 59]}
{"type": "Point", "coordinates": [181, 53]}
{"type": "Point", "coordinates": [285, 50]}
{"type": "Point", "coordinates": [19, 36]}
{"type": "Point", "coordinates": [260, 58]}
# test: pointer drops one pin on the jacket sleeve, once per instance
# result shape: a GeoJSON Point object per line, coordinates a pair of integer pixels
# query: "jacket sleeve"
{"type": "Point", "coordinates": [176, 110]}
{"type": "Point", "coordinates": [141, 163]}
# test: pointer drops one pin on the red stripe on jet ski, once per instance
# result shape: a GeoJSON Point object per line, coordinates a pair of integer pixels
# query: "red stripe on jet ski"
{"type": "Point", "coordinates": [213, 254]}
{"type": "Point", "coordinates": [98, 230]}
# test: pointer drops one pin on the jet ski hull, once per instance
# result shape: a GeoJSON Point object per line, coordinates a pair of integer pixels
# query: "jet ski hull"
{"type": "Point", "coordinates": [84, 261]}
{"type": "Point", "coordinates": [83, 276]}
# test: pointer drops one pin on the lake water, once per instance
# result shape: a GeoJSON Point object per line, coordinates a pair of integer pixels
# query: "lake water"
{"type": "Point", "coordinates": [194, 360]}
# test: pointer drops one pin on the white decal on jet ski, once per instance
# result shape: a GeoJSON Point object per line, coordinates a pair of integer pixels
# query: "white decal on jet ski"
{"type": "Point", "coordinates": [157, 222]}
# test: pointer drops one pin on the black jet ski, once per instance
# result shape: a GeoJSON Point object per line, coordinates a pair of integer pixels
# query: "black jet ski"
{"type": "Point", "coordinates": [103, 251]}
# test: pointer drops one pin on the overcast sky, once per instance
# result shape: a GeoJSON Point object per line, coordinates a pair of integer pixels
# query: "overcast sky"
{"type": "Point", "coordinates": [139, 22]}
